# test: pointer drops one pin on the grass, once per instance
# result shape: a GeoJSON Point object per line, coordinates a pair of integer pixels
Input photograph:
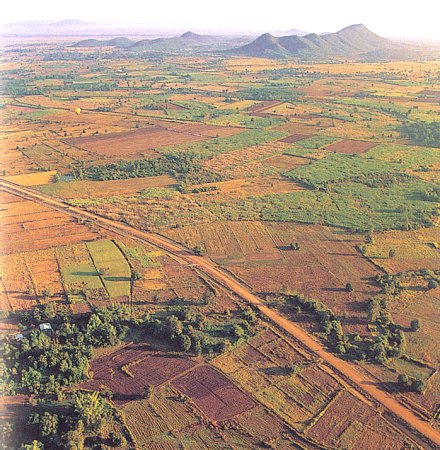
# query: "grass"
{"type": "Point", "coordinates": [208, 149]}
{"type": "Point", "coordinates": [340, 167]}
{"type": "Point", "coordinates": [146, 259]}
{"type": "Point", "coordinates": [112, 266]}
{"type": "Point", "coordinates": [80, 278]}
{"type": "Point", "coordinates": [350, 205]}
{"type": "Point", "coordinates": [410, 368]}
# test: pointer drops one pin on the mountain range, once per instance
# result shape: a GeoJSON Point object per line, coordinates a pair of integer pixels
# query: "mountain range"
{"type": "Point", "coordinates": [355, 41]}
{"type": "Point", "coordinates": [351, 41]}
{"type": "Point", "coordinates": [187, 41]}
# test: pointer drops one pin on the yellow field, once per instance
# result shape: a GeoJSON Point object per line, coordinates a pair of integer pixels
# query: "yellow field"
{"type": "Point", "coordinates": [33, 179]}
{"type": "Point", "coordinates": [415, 249]}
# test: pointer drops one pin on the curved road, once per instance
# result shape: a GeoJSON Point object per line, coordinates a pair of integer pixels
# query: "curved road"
{"type": "Point", "coordinates": [359, 380]}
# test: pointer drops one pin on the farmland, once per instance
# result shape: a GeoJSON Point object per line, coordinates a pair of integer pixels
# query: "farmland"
{"type": "Point", "coordinates": [196, 209]}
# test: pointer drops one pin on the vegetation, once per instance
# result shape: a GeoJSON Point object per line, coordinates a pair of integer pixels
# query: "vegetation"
{"type": "Point", "coordinates": [422, 133]}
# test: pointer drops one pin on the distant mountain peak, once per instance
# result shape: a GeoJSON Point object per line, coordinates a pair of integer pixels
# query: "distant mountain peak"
{"type": "Point", "coordinates": [190, 35]}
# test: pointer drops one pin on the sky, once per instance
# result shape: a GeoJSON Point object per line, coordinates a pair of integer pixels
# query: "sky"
{"type": "Point", "coordinates": [389, 18]}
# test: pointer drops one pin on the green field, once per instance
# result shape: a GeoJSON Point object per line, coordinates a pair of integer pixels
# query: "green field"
{"type": "Point", "coordinates": [112, 267]}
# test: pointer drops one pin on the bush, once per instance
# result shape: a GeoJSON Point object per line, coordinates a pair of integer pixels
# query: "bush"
{"type": "Point", "coordinates": [418, 386]}
{"type": "Point", "coordinates": [432, 284]}
{"type": "Point", "coordinates": [415, 324]}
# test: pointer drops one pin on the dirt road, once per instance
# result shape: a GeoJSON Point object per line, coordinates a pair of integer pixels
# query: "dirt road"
{"type": "Point", "coordinates": [364, 384]}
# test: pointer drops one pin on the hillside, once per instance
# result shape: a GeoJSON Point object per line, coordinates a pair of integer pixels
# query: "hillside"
{"type": "Point", "coordinates": [119, 42]}
{"type": "Point", "coordinates": [349, 42]}
{"type": "Point", "coordinates": [187, 41]}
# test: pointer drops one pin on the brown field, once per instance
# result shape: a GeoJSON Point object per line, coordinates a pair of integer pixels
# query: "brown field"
{"type": "Point", "coordinates": [263, 106]}
{"type": "Point", "coordinates": [258, 254]}
{"type": "Point", "coordinates": [310, 400]}
{"type": "Point", "coordinates": [294, 138]}
{"type": "Point", "coordinates": [285, 162]}
{"type": "Point", "coordinates": [347, 420]}
{"type": "Point", "coordinates": [247, 162]}
{"type": "Point", "coordinates": [213, 393]}
{"type": "Point", "coordinates": [351, 146]}
{"type": "Point", "coordinates": [144, 140]}
{"type": "Point", "coordinates": [251, 186]}
{"type": "Point", "coordinates": [31, 226]}
{"type": "Point", "coordinates": [129, 370]}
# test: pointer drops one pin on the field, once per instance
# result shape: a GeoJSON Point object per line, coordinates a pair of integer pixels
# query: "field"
{"type": "Point", "coordinates": [214, 394]}
{"type": "Point", "coordinates": [128, 371]}
{"type": "Point", "coordinates": [31, 226]}
{"type": "Point", "coordinates": [414, 250]}
{"type": "Point", "coordinates": [305, 394]}
{"type": "Point", "coordinates": [88, 189]}
{"type": "Point", "coordinates": [260, 255]}
{"type": "Point", "coordinates": [143, 141]}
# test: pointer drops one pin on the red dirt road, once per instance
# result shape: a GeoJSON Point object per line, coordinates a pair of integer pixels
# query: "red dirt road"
{"type": "Point", "coordinates": [357, 379]}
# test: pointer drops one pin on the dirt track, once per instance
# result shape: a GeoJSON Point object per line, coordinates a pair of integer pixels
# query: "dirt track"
{"type": "Point", "coordinates": [348, 370]}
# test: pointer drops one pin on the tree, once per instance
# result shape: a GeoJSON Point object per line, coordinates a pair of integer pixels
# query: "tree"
{"type": "Point", "coordinates": [199, 250]}
{"type": "Point", "coordinates": [174, 326]}
{"type": "Point", "coordinates": [418, 385]}
{"type": "Point", "coordinates": [90, 409]}
{"type": "Point", "coordinates": [36, 445]}
{"type": "Point", "coordinates": [208, 297]}
{"type": "Point", "coordinates": [415, 324]}
{"type": "Point", "coordinates": [391, 253]}
{"type": "Point", "coordinates": [432, 284]}
{"type": "Point", "coordinates": [403, 379]}
{"type": "Point", "coordinates": [349, 287]}
{"type": "Point", "coordinates": [135, 275]}
{"type": "Point", "coordinates": [185, 342]}
{"type": "Point", "coordinates": [237, 331]}
{"type": "Point", "coordinates": [48, 424]}
{"type": "Point", "coordinates": [225, 346]}
{"type": "Point", "coordinates": [46, 293]}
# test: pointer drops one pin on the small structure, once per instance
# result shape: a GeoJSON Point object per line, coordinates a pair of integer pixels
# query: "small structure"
{"type": "Point", "coordinates": [46, 328]}
{"type": "Point", "coordinates": [19, 337]}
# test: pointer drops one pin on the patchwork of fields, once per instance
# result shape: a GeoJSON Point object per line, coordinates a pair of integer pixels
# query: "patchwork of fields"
{"type": "Point", "coordinates": [313, 185]}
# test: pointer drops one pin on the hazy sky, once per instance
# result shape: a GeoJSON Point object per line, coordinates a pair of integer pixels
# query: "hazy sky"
{"type": "Point", "coordinates": [392, 18]}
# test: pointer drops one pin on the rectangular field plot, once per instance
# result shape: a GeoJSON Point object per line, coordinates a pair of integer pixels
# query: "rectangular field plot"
{"type": "Point", "coordinates": [30, 226]}
{"type": "Point", "coordinates": [351, 146]}
{"type": "Point", "coordinates": [88, 189]}
{"type": "Point", "coordinates": [80, 276]}
{"type": "Point", "coordinates": [33, 179]}
{"type": "Point", "coordinates": [143, 141]}
{"type": "Point", "coordinates": [112, 267]}
{"type": "Point", "coordinates": [230, 241]}
{"type": "Point", "coordinates": [129, 370]}
{"type": "Point", "coordinates": [349, 423]}
{"type": "Point", "coordinates": [214, 394]}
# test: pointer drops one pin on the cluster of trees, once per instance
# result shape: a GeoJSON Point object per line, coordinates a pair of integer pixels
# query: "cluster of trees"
{"type": "Point", "coordinates": [191, 332]}
{"type": "Point", "coordinates": [389, 343]}
{"type": "Point", "coordinates": [406, 383]}
{"type": "Point", "coordinates": [267, 93]}
{"type": "Point", "coordinates": [392, 284]}
{"type": "Point", "coordinates": [422, 133]}
{"type": "Point", "coordinates": [82, 419]}
{"type": "Point", "coordinates": [42, 364]}
{"type": "Point", "coordinates": [182, 166]}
